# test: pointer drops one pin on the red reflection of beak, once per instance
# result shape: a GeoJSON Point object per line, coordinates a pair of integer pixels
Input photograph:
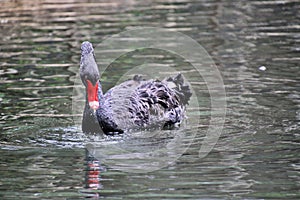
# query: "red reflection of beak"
{"type": "Point", "coordinates": [92, 92]}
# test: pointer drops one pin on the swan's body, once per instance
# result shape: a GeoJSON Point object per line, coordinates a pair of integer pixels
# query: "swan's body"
{"type": "Point", "coordinates": [133, 104]}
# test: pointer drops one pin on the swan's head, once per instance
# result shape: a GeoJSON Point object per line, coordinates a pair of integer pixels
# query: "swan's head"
{"type": "Point", "coordinates": [89, 74]}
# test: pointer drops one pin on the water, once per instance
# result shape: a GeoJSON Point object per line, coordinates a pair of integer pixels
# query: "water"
{"type": "Point", "coordinates": [44, 154]}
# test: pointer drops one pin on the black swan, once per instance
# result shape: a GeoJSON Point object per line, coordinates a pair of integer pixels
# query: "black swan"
{"type": "Point", "coordinates": [134, 104]}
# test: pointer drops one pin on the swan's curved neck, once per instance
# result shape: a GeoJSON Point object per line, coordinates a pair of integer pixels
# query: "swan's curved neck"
{"type": "Point", "coordinates": [100, 93]}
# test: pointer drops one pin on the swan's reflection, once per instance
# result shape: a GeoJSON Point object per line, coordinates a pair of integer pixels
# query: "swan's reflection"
{"type": "Point", "coordinates": [93, 170]}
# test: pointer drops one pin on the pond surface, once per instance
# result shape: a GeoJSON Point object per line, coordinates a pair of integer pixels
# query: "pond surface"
{"type": "Point", "coordinates": [255, 46]}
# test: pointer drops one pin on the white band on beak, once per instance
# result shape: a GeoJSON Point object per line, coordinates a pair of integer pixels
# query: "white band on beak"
{"type": "Point", "coordinates": [94, 105]}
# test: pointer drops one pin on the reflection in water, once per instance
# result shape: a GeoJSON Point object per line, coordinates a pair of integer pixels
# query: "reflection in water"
{"type": "Point", "coordinates": [92, 176]}
{"type": "Point", "coordinates": [257, 155]}
{"type": "Point", "coordinates": [93, 173]}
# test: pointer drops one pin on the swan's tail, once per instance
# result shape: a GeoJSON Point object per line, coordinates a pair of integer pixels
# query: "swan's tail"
{"type": "Point", "coordinates": [181, 87]}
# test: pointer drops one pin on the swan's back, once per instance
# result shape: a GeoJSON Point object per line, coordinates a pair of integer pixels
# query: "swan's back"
{"type": "Point", "coordinates": [138, 103]}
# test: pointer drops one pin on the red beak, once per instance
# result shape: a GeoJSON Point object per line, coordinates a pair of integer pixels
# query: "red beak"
{"type": "Point", "coordinates": [92, 93]}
